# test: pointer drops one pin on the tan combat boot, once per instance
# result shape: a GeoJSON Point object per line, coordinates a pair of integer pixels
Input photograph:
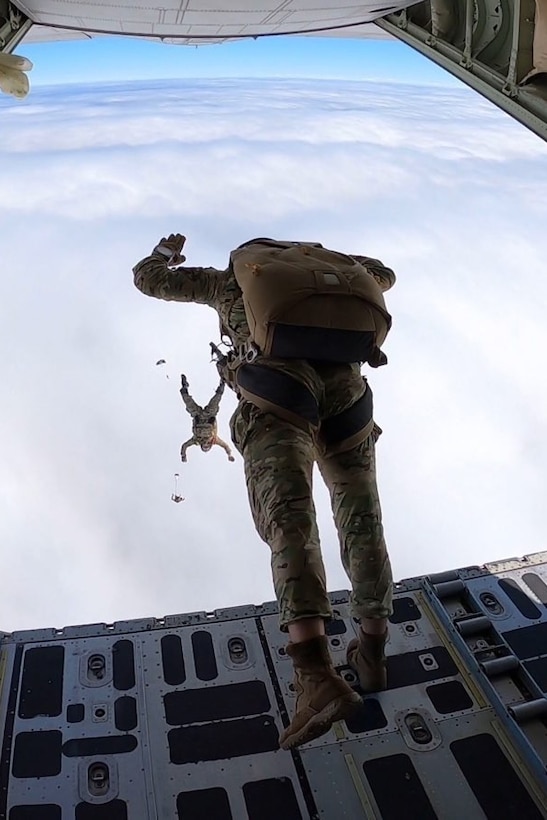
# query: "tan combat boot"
{"type": "Point", "coordinates": [322, 696]}
{"type": "Point", "coordinates": [366, 656]}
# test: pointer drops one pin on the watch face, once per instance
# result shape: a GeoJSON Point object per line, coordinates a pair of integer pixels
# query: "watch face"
{"type": "Point", "coordinates": [164, 250]}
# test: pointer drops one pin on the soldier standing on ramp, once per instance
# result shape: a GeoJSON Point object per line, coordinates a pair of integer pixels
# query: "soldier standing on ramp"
{"type": "Point", "coordinates": [204, 421]}
{"type": "Point", "coordinates": [302, 399]}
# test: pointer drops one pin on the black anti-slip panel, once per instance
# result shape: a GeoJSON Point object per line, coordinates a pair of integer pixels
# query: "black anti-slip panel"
{"type": "Point", "coordinates": [204, 804]}
{"type": "Point", "coordinates": [449, 697]}
{"type": "Point", "coordinates": [204, 655]}
{"type": "Point", "coordinates": [216, 703]}
{"type": "Point", "coordinates": [335, 626]}
{"type": "Point", "coordinates": [36, 812]}
{"type": "Point", "coordinates": [123, 664]}
{"type": "Point", "coordinates": [42, 682]}
{"type": "Point", "coordinates": [367, 718]}
{"type": "Point", "coordinates": [493, 780]}
{"type": "Point", "coordinates": [397, 789]}
{"type": "Point", "coordinates": [75, 712]}
{"type": "Point", "coordinates": [528, 641]}
{"type": "Point", "coordinates": [538, 670]}
{"type": "Point", "coordinates": [37, 754]}
{"type": "Point", "coordinates": [115, 810]}
{"type": "Point", "coordinates": [419, 667]}
{"type": "Point", "coordinates": [219, 741]}
{"type": "Point", "coordinates": [404, 609]}
{"type": "Point", "coordinates": [125, 713]}
{"type": "Point", "coordinates": [521, 600]}
{"type": "Point", "coordinates": [271, 799]}
{"type": "Point", "coordinates": [537, 585]}
{"type": "Point", "coordinates": [172, 658]}
{"type": "Point", "coordinates": [107, 745]}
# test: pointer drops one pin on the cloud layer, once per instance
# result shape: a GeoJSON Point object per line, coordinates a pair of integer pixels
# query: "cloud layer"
{"type": "Point", "coordinates": [435, 182]}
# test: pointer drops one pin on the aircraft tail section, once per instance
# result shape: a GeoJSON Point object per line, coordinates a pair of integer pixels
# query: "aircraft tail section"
{"type": "Point", "coordinates": [14, 24]}
{"type": "Point", "coordinates": [499, 49]}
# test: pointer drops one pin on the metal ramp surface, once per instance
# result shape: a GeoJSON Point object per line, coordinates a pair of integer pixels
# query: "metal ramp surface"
{"type": "Point", "coordinates": [178, 718]}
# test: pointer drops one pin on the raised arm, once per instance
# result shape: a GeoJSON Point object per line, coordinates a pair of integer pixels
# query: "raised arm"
{"type": "Point", "coordinates": [160, 275]}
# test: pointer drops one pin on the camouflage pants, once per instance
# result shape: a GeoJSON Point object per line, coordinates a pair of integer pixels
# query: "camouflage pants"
{"type": "Point", "coordinates": [210, 409]}
{"type": "Point", "coordinates": [279, 459]}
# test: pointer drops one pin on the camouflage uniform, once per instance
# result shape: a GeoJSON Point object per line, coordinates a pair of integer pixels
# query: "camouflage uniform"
{"type": "Point", "coordinates": [279, 457]}
{"type": "Point", "coordinates": [204, 422]}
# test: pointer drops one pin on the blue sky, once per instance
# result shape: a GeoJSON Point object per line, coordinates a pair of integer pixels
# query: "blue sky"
{"type": "Point", "coordinates": [108, 58]}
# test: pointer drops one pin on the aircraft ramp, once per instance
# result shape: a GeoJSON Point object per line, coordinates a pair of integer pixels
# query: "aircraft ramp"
{"type": "Point", "coordinates": [177, 718]}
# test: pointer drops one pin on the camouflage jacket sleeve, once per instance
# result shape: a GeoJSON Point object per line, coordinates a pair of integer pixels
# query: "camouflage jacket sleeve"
{"type": "Point", "coordinates": [153, 278]}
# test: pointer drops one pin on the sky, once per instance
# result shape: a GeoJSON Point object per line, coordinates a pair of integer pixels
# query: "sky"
{"type": "Point", "coordinates": [105, 59]}
{"type": "Point", "coordinates": [429, 178]}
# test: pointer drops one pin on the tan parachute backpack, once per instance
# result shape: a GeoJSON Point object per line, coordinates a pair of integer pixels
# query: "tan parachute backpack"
{"type": "Point", "coordinates": [304, 301]}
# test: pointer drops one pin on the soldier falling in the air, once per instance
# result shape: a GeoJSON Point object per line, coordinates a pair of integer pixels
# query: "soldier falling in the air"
{"type": "Point", "coordinates": [204, 421]}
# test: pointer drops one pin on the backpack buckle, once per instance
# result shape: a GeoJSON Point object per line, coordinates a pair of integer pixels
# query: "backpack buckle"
{"type": "Point", "coordinates": [249, 353]}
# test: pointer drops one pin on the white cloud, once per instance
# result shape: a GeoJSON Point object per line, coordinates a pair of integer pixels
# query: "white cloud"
{"type": "Point", "coordinates": [436, 183]}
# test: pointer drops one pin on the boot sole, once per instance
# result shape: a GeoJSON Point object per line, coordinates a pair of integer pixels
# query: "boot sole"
{"type": "Point", "coordinates": [319, 724]}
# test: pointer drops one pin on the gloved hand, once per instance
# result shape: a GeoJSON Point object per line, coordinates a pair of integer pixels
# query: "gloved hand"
{"type": "Point", "coordinates": [13, 80]}
{"type": "Point", "coordinates": [170, 247]}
